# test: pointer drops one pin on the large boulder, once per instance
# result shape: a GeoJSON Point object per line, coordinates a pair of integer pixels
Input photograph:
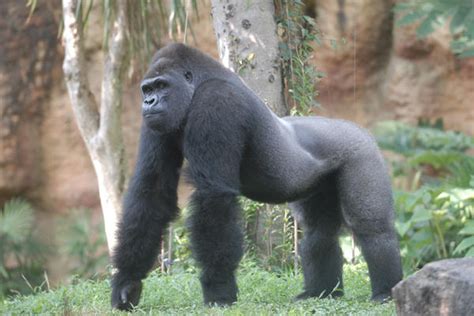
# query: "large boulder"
{"type": "Point", "coordinates": [444, 287]}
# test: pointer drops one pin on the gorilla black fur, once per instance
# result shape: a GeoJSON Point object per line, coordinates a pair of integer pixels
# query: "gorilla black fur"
{"type": "Point", "coordinates": [330, 171]}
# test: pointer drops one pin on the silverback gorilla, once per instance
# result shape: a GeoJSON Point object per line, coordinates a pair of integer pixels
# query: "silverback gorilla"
{"type": "Point", "coordinates": [330, 171]}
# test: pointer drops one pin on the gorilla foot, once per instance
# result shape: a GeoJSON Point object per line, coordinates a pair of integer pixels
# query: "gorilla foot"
{"type": "Point", "coordinates": [219, 300]}
{"type": "Point", "coordinates": [220, 294]}
{"type": "Point", "coordinates": [222, 302]}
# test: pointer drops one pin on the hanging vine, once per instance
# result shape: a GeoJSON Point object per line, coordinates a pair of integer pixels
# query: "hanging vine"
{"type": "Point", "coordinates": [299, 34]}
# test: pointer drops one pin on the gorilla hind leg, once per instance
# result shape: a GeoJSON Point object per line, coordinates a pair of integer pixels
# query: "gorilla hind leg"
{"type": "Point", "coordinates": [380, 250]}
{"type": "Point", "coordinates": [367, 204]}
{"type": "Point", "coordinates": [321, 255]}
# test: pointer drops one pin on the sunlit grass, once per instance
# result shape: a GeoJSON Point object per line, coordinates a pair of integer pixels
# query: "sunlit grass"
{"type": "Point", "coordinates": [261, 293]}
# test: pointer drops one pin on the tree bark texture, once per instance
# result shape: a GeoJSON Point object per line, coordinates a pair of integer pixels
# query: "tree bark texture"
{"type": "Point", "coordinates": [100, 127]}
{"type": "Point", "coordinates": [247, 39]}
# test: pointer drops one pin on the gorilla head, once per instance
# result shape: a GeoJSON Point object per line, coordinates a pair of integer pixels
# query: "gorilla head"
{"type": "Point", "coordinates": [175, 73]}
{"type": "Point", "coordinates": [167, 90]}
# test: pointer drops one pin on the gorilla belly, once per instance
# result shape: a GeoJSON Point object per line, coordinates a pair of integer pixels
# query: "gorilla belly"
{"type": "Point", "coordinates": [279, 180]}
{"type": "Point", "coordinates": [279, 165]}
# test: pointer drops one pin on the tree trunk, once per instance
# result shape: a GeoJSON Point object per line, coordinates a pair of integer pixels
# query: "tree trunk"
{"type": "Point", "coordinates": [247, 40]}
{"type": "Point", "coordinates": [102, 132]}
{"type": "Point", "coordinates": [247, 37]}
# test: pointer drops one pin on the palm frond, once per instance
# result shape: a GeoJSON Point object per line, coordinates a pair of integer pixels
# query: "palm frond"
{"type": "Point", "coordinates": [16, 220]}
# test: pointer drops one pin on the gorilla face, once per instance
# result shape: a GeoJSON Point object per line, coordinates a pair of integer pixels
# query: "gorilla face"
{"type": "Point", "coordinates": [167, 91]}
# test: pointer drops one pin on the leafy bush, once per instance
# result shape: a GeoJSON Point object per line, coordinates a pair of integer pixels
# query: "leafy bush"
{"type": "Point", "coordinates": [22, 255]}
{"type": "Point", "coordinates": [410, 140]}
{"type": "Point", "coordinates": [435, 223]}
{"type": "Point", "coordinates": [436, 219]}
{"type": "Point", "coordinates": [299, 33]}
{"type": "Point", "coordinates": [83, 241]}
{"type": "Point", "coordinates": [269, 234]}
{"type": "Point", "coordinates": [435, 13]}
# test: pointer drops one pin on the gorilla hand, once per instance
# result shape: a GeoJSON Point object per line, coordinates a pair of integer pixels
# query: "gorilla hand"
{"type": "Point", "coordinates": [125, 293]}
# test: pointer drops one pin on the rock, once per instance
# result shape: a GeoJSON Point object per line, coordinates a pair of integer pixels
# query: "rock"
{"type": "Point", "coordinates": [444, 287]}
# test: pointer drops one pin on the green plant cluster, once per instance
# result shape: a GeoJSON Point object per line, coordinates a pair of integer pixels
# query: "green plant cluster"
{"type": "Point", "coordinates": [270, 234]}
{"type": "Point", "coordinates": [21, 253]}
{"type": "Point", "coordinates": [435, 212]}
{"type": "Point", "coordinates": [146, 21]}
{"type": "Point", "coordinates": [83, 242]}
{"type": "Point", "coordinates": [299, 34]}
{"type": "Point", "coordinates": [269, 238]}
{"type": "Point", "coordinates": [435, 13]}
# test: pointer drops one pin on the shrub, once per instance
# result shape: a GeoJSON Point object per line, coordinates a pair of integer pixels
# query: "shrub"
{"type": "Point", "coordinates": [435, 219]}
{"type": "Point", "coordinates": [22, 255]}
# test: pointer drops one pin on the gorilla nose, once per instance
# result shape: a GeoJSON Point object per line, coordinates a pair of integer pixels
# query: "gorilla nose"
{"type": "Point", "coordinates": [150, 101]}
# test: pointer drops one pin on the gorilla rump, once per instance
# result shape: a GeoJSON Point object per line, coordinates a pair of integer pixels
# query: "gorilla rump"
{"type": "Point", "coordinates": [330, 171]}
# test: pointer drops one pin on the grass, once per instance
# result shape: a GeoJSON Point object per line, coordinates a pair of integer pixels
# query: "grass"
{"type": "Point", "coordinates": [261, 293]}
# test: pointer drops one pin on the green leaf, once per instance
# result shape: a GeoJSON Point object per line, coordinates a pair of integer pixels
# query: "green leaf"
{"type": "Point", "coordinates": [469, 253]}
{"type": "Point", "coordinates": [412, 202]}
{"type": "Point", "coordinates": [467, 53]}
{"type": "Point", "coordinates": [465, 244]}
{"type": "Point", "coordinates": [17, 220]}
{"type": "Point", "coordinates": [457, 195]}
{"type": "Point", "coordinates": [285, 51]}
{"type": "Point", "coordinates": [402, 7]}
{"type": "Point", "coordinates": [437, 159]}
{"type": "Point", "coordinates": [409, 18]}
{"type": "Point", "coordinates": [426, 27]}
{"type": "Point", "coordinates": [458, 18]}
{"type": "Point", "coordinates": [421, 214]}
{"type": "Point", "coordinates": [402, 228]}
{"type": "Point", "coordinates": [426, 198]}
{"type": "Point", "coordinates": [3, 271]}
{"type": "Point", "coordinates": [468, 228]}
{"type": "Point", "coordinates": [421, 238]}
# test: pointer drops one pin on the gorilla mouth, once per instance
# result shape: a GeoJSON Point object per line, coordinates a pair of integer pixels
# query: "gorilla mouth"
{"type": "Point", "coordinates": [150, 114]}
{"type": "Point", "coordinates": [155, 119]}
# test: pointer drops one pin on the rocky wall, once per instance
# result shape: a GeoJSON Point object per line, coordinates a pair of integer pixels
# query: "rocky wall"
{"type": "Point", "coordinates": [381, 72]}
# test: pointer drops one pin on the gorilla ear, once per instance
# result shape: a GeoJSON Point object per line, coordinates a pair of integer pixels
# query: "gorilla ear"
{"type": "Point", "coordinates": [189, 76]}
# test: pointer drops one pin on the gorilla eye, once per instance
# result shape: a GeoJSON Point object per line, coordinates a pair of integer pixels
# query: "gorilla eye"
{"type": "Point", "coordinates": [161, 85]}
{"type": "Point", "coordinates": [189, 76]}
{"type": "Point", "coordinates": [146, 89]}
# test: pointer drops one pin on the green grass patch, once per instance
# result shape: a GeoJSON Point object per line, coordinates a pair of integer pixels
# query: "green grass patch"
{"type": "Point", "coordinates": [261, 293]}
